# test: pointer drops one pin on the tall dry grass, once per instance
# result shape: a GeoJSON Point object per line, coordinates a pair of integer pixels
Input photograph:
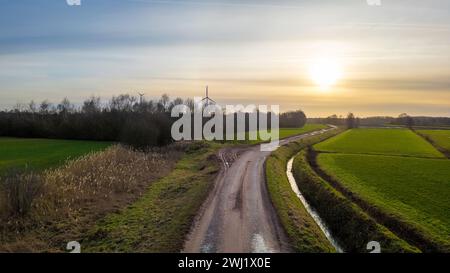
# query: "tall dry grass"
{"type": "Point", "coordinates": [62, 203]}
{"type": "Point", "coordinates": [17, 192]}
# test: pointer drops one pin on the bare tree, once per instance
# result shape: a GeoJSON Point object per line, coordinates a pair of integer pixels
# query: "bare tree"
{"type": "Point", "coordinates": [351, 121]}
{"type": "Point", "coordinates": [406, 120]}
{"type": "Point", "coordinates": [19, 108]}
{"type": "Point", "coordinates": [333, 119]}
{"type": "Point", "coordinates": [32, 107]}
{"type": "Point", "coordinates": [177, 101]}
{"type": "Point", "coordinates": [164, 102]}
{"type": "Point", "coordinates": [122, 103]}
{"type": "Point", "coordinates": [65, 107]}
{"type": "Point", "coordinates": [91, 105]}
{"type": "Point", "coordinates": [45, 107]}
{"type": "Point", "coordinates": [190, 103]}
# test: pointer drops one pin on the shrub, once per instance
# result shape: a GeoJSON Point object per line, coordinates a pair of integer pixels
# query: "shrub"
{"type": "Point", "coordinates": [19, 190]}
{"type": "Point", "coordinates": [293, 119]}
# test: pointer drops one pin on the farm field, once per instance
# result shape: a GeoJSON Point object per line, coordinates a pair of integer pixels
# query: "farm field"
{"type": "Point", "coordinates": [440, 138]}
{"type": "Point", "coordinates": [415, 189]}
{"type": "Point", "coordinates": [379, 141]}
{"type": "Point", "coordinates": [397, 172]}
{"type": "Point", "coordinates": [43, 153]}
{"type": "Point", "coordinates": [287, 132]}
{"type": "Point", "coordinates": [431, 127]}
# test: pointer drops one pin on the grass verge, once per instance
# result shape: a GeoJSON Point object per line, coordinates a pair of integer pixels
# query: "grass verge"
{"type": "Point", "coordinates": [161, 218]}
{"type": "Point", "coordinates": [304, 234]}
{"type": "Point", "coordinates": [283, 133]}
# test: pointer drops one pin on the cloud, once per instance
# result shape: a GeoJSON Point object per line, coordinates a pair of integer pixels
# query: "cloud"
{"type": "Point", "coordinates": [248, 50]}
{"type": "Point", "coordinates": [401, 84]}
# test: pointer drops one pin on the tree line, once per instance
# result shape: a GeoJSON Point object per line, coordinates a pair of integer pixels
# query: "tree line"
{"type": "Point", "coordinates": [124, 118]}
{"type": "Point", "coordinates": [128, 119]}
{"type": "Point", "coordinates": [405, 120]}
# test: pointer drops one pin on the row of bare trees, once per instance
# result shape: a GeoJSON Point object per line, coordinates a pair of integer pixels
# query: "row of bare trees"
{"type": "Point", "coordinates": [350, 121]}
{"type": "Point", "coordinates": [124, 118]}
{"type": "Point", "coordinates": [402, 120]}
{"type": "Point", "coordinates": [121, 103]}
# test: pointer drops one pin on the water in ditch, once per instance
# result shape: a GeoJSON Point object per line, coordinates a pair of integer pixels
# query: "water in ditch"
{"type": "Point", "coordinates": [310, 209]}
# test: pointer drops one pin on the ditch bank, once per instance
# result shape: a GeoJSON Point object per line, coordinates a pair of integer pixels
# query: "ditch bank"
{"type": "Point", "coordinates": [303, 232]}
{"type": "Point", "coordinates": [352, 227]}
{"type": "Point", "coordinates": [322, 225]}
{"type": "Point", "coordinates": [435, 145]}
{"type": "Point", "coordinates": [410, 234]}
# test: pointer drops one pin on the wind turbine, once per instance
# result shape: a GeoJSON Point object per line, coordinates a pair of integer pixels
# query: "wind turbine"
{"type": "Point", "coordinates": [141, 95]}
{"type": "Point", "coordinates": [207, 99]}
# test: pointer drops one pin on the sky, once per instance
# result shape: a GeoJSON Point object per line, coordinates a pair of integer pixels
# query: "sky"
{"type": "Point", "coordinates": [389, 59]}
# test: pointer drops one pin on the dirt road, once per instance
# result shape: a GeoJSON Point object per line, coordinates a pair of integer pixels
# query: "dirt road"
{"type": "Point", "coordinates": [238, 215]}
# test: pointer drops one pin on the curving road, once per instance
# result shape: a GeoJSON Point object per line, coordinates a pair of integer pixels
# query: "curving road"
{"type": "Point", "coordinates": [238, 216]}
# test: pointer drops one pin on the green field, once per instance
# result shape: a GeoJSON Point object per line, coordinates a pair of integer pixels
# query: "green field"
{"type": "Point", "coordinates": [379, 141]}
{"type": "Point", "coordinates": [393, 170]}
{"type": "Point", "coordinates": [415, 189]}
{"type": "Point", "coordinates": [42, 153]}
{"type": "Point", "coordinates": [440, 138]}
{"type": "Point", "coordinates": [287, 132]}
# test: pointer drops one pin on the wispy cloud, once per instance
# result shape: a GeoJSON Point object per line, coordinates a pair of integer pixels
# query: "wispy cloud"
{"type": "Point", "coordinates": [248, 50]}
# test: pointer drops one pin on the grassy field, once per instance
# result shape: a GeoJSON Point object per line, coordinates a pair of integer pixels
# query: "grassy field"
{"type": "Point", "coordinates": [394, 170]}
{"type": "Point", "coordinates": [379, 141]}
{"type": "Point", "coordinates": [417, 190]}
{"type": "Point", "coordinates": [42, 153]}
{"type": "Point", "coordinates": [431, 127]}
{"type": "Point", "coordinates": [440, 138]}
{"type": "Point", "coordinates": [351, 226]}
{"type": "Point", "coordinates": [348, 221]}
{"type": "Point", "coordinates": [287, 132]}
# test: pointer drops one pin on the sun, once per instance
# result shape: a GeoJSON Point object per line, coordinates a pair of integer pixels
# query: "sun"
{"type": "Point", "coordinates": [325, 72]}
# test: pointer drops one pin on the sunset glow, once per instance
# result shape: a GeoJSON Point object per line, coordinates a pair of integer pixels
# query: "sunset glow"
{"type": "Point", "coordinates": [325, 73]}
{"type": "Point", "coordinates": [327, 57]}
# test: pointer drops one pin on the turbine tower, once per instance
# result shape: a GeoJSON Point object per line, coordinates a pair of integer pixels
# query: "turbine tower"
{"type": "Point", "coordinates": [207, 100]}
{"type": "Point", "coordinates": [141, 97]}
